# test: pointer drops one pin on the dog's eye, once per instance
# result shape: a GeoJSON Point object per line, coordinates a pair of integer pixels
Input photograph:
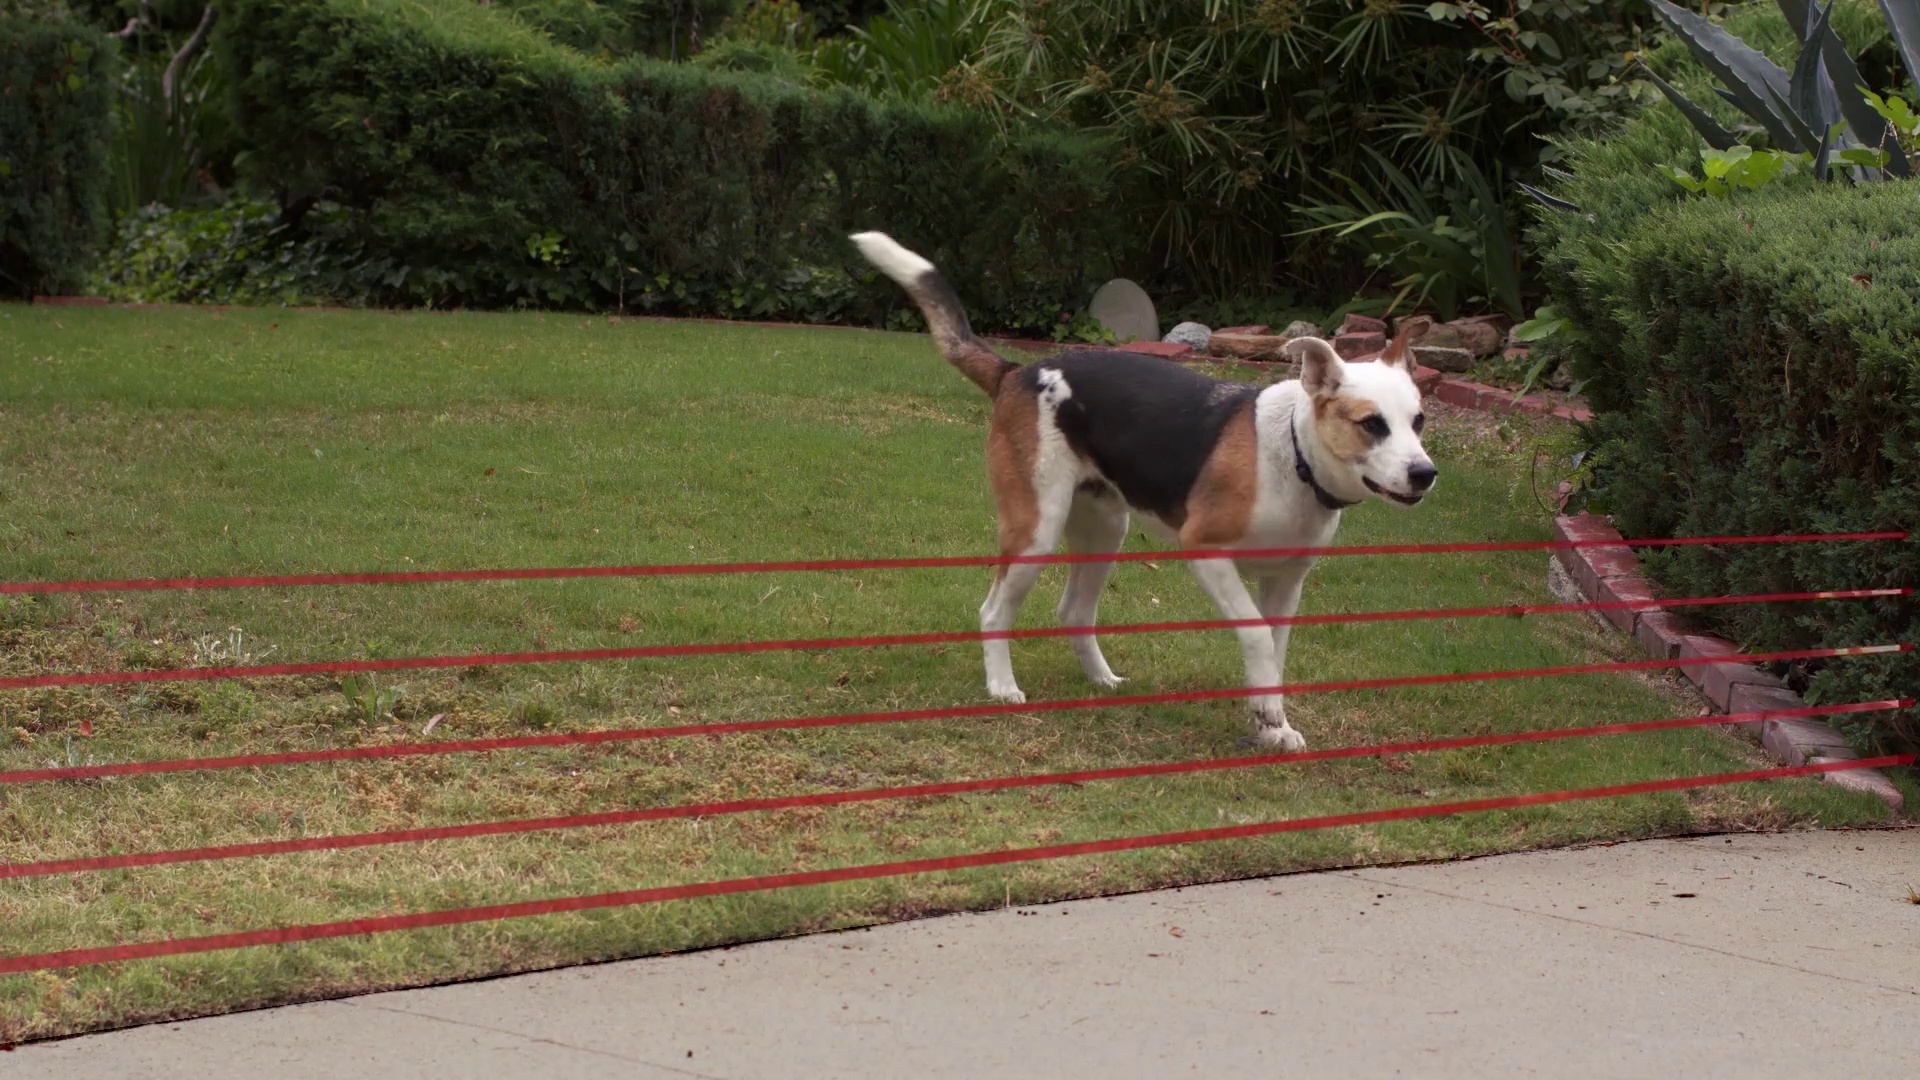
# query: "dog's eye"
{"type": "Point", "coordinates": [1376, 427]}
{"type": "Point", "coordinates": [1419, 423]}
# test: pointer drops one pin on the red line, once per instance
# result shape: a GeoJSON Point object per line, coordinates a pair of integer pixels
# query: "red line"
{"type": "Point", "coordinates": [466, 746]}
{"type": "Point", "coordinates": [660, 894]}
{"type": "Point", "coordinates": [646, 652]}
{"type": "Point", "coordinates": [914, 791]}
{"type": "Point", "coordinates": [687, 569]}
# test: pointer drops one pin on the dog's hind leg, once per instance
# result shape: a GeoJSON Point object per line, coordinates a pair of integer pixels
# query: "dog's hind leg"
{"type": "Point", "coordinates": [1011, 586]}
{"type": "Point", "coordinates": [1033, 477]}
{"type": "Point", "coordinates": [1096, 525]}
{"type": "Point", "coordinates": [1221, 579]}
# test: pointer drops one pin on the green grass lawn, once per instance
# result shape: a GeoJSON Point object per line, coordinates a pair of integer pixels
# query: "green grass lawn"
{"type": "Point", "coordinates": [175, 441]}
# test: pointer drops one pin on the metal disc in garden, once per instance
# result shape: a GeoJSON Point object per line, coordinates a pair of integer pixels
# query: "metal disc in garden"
{"type": "Point", "coordinates": [1124, 308]}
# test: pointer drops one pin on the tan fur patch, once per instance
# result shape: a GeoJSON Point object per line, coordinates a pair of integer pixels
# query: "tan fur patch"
{"type": "Point", "coordinates": [1221, 502]}
{"type": "Point", "coordinates": [1336, 419]}
{"type": "Point", "coordinates": [1013, 445]}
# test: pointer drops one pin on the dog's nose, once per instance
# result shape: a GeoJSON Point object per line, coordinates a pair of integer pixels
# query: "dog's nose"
{"type": "Point", "coordinates": [1421, 477]}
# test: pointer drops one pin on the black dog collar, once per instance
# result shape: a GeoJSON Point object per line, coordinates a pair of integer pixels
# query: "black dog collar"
{"type": "Point", "coordinates": [1305, 472]}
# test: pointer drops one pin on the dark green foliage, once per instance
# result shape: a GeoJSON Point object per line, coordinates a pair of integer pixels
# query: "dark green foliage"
{"type": "Point", "coordinates": [1755, 367]}
{"type": "Point", "coordinates": [55, 101]}
{"type": "Point", "coordinates": [239, 252]}
{"type": "Point", "coordinates": [475, 162]}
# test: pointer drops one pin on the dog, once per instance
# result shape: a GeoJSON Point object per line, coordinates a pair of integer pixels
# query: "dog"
{"type": "Point", "coordinates": [1081, 443]}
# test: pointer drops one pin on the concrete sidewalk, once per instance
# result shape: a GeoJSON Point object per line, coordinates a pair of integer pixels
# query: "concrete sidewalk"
{"type": "Point", "coordinates": [1749, 957]}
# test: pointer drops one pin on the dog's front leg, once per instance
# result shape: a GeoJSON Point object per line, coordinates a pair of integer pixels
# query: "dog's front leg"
{"type": "Point", "coordinates": [1221, 580]}
{"type": "Point", "coordinates": [1280, 599]}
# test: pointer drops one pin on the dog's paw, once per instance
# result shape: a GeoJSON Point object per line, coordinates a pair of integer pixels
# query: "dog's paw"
{"type": "Point", "coordinates": [1009, 694]}
{"type": "Point", "coordinates": [1110, 681]}
{"type": "Point", "coordinates": [1284, 739]}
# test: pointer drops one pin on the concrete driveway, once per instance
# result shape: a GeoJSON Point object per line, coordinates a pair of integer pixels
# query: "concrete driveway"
{"type": "Point", "coordinates": [1750, 956]}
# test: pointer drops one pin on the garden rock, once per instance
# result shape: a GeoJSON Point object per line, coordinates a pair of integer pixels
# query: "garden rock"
{"type": "Point", "coordinates": [1362, 324]}
{"type": "Point", "coordinates": [1125, 309]}
{"type": "Point", "coordinates": [1249, 346]}
{"type": "Point", "coordinates": [1300, 328]}
{"type": "Point", "coordinates": [1356, 345]}
{"type": "Point", "coordinates": [1483, 335]}
{"type": "Point", "coordinates": [1442, 358]}
{"type": "Point", "coordinates": [1190, 333]}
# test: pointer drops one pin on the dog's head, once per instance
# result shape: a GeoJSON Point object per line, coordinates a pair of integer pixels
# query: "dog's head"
{"type": "Point", "coordinates": [1367, 415]}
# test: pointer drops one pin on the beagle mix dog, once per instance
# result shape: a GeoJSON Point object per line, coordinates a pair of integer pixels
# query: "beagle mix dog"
{"type": "Point", "coordinates": [1081, 442]}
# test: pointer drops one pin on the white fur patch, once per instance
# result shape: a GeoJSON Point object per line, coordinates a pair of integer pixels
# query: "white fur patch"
{"type": "Point", "coordinates": [893, 260]}
{"type": "Point", "coordinates": [1053, 388]}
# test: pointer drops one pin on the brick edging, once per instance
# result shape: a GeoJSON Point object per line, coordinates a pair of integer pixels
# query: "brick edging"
{"type": "Point", "coordinates": [1610, 572]}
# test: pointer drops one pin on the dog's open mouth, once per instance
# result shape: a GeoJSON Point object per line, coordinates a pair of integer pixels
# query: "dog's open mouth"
{"type": "Point", "coordinates": [1403, 500]}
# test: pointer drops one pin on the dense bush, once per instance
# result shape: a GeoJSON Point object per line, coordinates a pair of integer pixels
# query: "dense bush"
{"type": "Point", "coordinates": [55, 100]}
{"type": "Point", "coordinates": [1249, 122]}
{"type": "Point", "coordinates": [476, 162]}
{"type": "Point", "coordinates": [1754, 367]}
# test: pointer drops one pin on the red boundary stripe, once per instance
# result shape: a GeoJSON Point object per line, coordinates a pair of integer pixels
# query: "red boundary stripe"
{"type": "Point", "coordinates": [733, 886]}
{"type": "Point", "coordinates": [646, 652]}
{"type": "Point", "coordinates": [467, 746]}
{"type": "Point", "coordinates": [687, 569]}
{"type": "Point", "coordinates": [913, 791]}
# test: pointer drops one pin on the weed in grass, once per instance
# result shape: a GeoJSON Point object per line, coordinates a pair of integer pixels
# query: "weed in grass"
{"type": "Point", "coordinates": [369, 700]}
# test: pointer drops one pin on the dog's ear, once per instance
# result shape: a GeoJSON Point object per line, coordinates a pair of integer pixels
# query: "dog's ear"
{"type": "Point", "coordinates": [1399, 351]}
{"type": "Point", "coordinates": [1320, 366]}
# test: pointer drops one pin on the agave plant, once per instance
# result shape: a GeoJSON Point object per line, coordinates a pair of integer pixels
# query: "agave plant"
{"type": "Point", "coordinates": [1821, 108]}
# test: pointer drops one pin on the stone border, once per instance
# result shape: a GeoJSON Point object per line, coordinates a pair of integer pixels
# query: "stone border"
{"type": "Point", "coordinates": [1610, 572]}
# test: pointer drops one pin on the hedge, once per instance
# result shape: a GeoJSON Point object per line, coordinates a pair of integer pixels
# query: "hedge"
{"type": "Point", "coordinates": [55, 107]}
{"type": "Point", "coordinates": [1755, 369]}
{"type": "Point", "coordinates": [480, 164]}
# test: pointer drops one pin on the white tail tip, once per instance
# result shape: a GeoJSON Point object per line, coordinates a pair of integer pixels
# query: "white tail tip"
{"type": "Point", "coordinates": [893, 260]}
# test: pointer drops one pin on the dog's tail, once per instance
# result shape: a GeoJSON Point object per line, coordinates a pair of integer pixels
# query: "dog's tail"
{"type": "Point", "coordinates": [946, 319]}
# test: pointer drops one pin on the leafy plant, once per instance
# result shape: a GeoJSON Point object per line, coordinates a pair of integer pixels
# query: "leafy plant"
{"type": "Point", "coordinates": [1445, 260]}
{"type": "Point", "coordinates": [1820, 109]}
{"type": "Point", "coordinates": [1740, 168]}
{"type": "Point", "coordinates": [367, 700]}
{"type": "Point", "coordinates": [1234, 115]}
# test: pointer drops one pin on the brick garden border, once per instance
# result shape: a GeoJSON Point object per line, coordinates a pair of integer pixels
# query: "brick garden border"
{"type": "Point", "coordinates": [1610, 572]}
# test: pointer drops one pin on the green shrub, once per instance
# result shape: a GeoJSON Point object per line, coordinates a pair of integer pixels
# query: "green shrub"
{"type": "Point", "coordinates": [478, 163]}
{"type": "Point", "coordinates": [240, 252]}
{"type": "Point", "coordinates": [1756, 370]}
{"type": "Point", "coordinates": [55, 105]}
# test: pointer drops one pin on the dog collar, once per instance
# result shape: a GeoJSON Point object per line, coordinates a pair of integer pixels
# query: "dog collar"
{"type": "Point", "coordinates": [1305, 472]}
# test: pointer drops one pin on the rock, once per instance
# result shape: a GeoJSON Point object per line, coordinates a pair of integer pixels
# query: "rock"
{"type": "Point", "coordinates": [1190, 333]}
{"type": "Point", "coordinates": [1300, 328]}
{"type": "Point", "coordinates": [1443, 358]}
{"type": "Point", "coordinates": [1443, 336]}
{"type": "Point", "coordinates": [1249, 346]}
{"type": "Point", "coordinates": [1362, 324]}
{"type": "Point", "coordinates": [1125, 309]}
{"type": "Point", "coordinates": [1353, 346]}
{"type": "Point", "coordinates": [1258, 328]}
{"type": "Point", "coordinates": [1561, 378]}
{"type": "Point", "coordinates": [1477, 336]}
